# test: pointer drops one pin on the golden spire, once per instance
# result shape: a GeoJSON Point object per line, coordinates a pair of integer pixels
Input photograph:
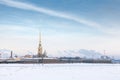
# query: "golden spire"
{"type": "Point", "coordinates": [40, 46]}
{"type": "Point", "coordinates": [40, 39]}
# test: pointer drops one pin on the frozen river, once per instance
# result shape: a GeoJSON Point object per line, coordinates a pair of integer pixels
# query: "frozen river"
{"type": "Point", "coordinates": [60, 72]}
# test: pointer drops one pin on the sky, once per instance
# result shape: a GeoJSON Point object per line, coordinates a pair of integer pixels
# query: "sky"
{"type": "Point", "coordinates": [64, 25]}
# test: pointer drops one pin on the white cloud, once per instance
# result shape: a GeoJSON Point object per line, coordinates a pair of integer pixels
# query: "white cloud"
{"type": "Point", "coordinates": [27, 6]}
{"type": "Point", "coordinates": [10, 28]}
{"type": "Point", "coordinates": [79, 53]}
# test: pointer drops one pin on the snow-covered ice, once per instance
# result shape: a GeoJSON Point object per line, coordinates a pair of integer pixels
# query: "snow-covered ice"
{"type": "Point", "coordinates": [60, 72]}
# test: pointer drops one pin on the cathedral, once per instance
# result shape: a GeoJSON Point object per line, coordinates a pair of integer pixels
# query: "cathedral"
{"type": "Point", "coordinates": [40, 49]}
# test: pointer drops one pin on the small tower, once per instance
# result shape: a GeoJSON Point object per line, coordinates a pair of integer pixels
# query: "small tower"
{"type": "Point", "coordinates": [40, 47]}
{"type": "Point", "coordinates": [11, 54]}
{"type": "Point", "coordinates": [45, 54]}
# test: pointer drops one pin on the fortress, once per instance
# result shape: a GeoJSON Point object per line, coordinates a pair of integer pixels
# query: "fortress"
{"type": "Point", "coordinates": [41, 57]}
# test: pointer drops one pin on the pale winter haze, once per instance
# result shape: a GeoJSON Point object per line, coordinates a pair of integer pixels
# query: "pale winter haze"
{"type": "Point", "coordinates": [65, 25]}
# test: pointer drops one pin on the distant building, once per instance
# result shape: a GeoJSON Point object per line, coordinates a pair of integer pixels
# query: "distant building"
{"type": "Point", "coordinates": [40, 49]}
{"type": "Point", "coordinates": [11, 55]}
{"type": "Point", "coordinates": [28, 56]}
{"type": "Point", "coordinates": [45, 54]}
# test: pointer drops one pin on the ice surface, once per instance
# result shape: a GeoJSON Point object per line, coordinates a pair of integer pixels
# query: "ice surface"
{"type": "Point", "coordinates": [60, 72]}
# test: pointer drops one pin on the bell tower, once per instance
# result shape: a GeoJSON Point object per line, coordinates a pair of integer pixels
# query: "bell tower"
{"type": "Point", "coordinates": [40, 47]}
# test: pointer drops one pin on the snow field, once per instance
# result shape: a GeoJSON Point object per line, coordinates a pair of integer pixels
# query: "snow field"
{"type": "Point", "coordinates": [60, 72]}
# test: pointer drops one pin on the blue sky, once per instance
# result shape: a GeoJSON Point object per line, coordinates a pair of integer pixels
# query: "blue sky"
{"type": "Point", "coordinates": [65, 25]}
